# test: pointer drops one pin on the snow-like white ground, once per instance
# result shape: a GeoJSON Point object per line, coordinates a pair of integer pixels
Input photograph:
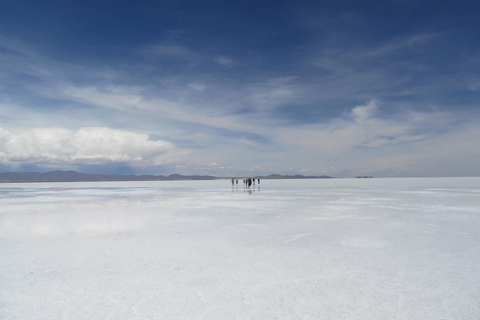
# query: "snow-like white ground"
{"type": "Point", "coordinates": [289, 249]}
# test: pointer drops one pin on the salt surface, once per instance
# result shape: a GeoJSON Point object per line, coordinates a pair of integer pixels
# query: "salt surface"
{"type": "Point", "coordinates": [287, 249]}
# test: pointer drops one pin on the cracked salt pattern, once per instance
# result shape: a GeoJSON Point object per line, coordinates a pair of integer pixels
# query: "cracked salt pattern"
{"type": "Point", "coordinates": [288, 249]}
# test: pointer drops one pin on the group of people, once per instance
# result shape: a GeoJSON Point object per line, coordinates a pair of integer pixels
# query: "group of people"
{"type": "Point", "coordinates": [247, 182]}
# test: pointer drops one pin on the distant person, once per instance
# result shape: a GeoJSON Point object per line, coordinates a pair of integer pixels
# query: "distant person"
{"type": "Point", "coordinates": [233, 181]}
{"type": "Point", "coordinates": [258, 180]}
{"type": "Point", "coordinates": [236, 181]}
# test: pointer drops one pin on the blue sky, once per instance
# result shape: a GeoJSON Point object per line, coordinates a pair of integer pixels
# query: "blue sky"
{"type": "Point", "coordinates": [342, 88]}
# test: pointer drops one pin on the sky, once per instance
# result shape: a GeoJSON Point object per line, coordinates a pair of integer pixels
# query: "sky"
{"type": "Point", "coordinates": [241, 88]}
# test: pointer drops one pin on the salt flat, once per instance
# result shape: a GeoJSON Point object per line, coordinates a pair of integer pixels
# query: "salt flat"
{"type": "Point", "coordinates": [287, 249]}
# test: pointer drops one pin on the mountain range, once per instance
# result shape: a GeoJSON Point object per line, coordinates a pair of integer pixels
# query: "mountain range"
{"type": "Point", "coordinates": [67, 176]}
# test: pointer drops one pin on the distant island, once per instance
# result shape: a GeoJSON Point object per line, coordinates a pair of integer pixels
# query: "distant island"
{"type": "Point", "coordinates": [73, 176]}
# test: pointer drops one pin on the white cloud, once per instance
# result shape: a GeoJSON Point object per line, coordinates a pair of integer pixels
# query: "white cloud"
{"type": "Point", "coordinates": [474, 86]}
{"type": "Point", "coordinates": [131, 100]}
{"type": "Point", "coordinates": [83, 146]}
{"type": "Point", "coordinates": [405, 143]}
{"type": "Point", "coordinates": [418, 39]}
{"type": "Point", "coordinates": [273, 92]}
{"type": "Point", "coordinates": [358, 128]}
{"type": "Point", "coordinates": [224, 62]}
{"type": "Point", "coordinates": [119, 98]}
{"type": "Point", "coordinates": [171, 50]}
{"type": "Point", "coordinates": [363, 113]}
{"type": "Point", "coordinates": [447, 154]}
{"type": "Point", "coordinates": [199, 87]}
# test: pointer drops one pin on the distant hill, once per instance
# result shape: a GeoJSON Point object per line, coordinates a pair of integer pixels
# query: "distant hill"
{"type": "Point", "coordinates": [71, 176]}
{"type": "Point", "coordinates": [67, 176]}
{"type": "Point", "coordinates": [296, 176]}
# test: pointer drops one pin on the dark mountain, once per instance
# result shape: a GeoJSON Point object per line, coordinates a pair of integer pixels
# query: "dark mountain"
{"type": "Point", "coordinates": [297, 176]}
{"type": "Point", "coordinates": [194, 177]}
{"type": "Point", "coordinates": [58, 175]}
{"type": "Point", "coordinates": [67, 176]}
